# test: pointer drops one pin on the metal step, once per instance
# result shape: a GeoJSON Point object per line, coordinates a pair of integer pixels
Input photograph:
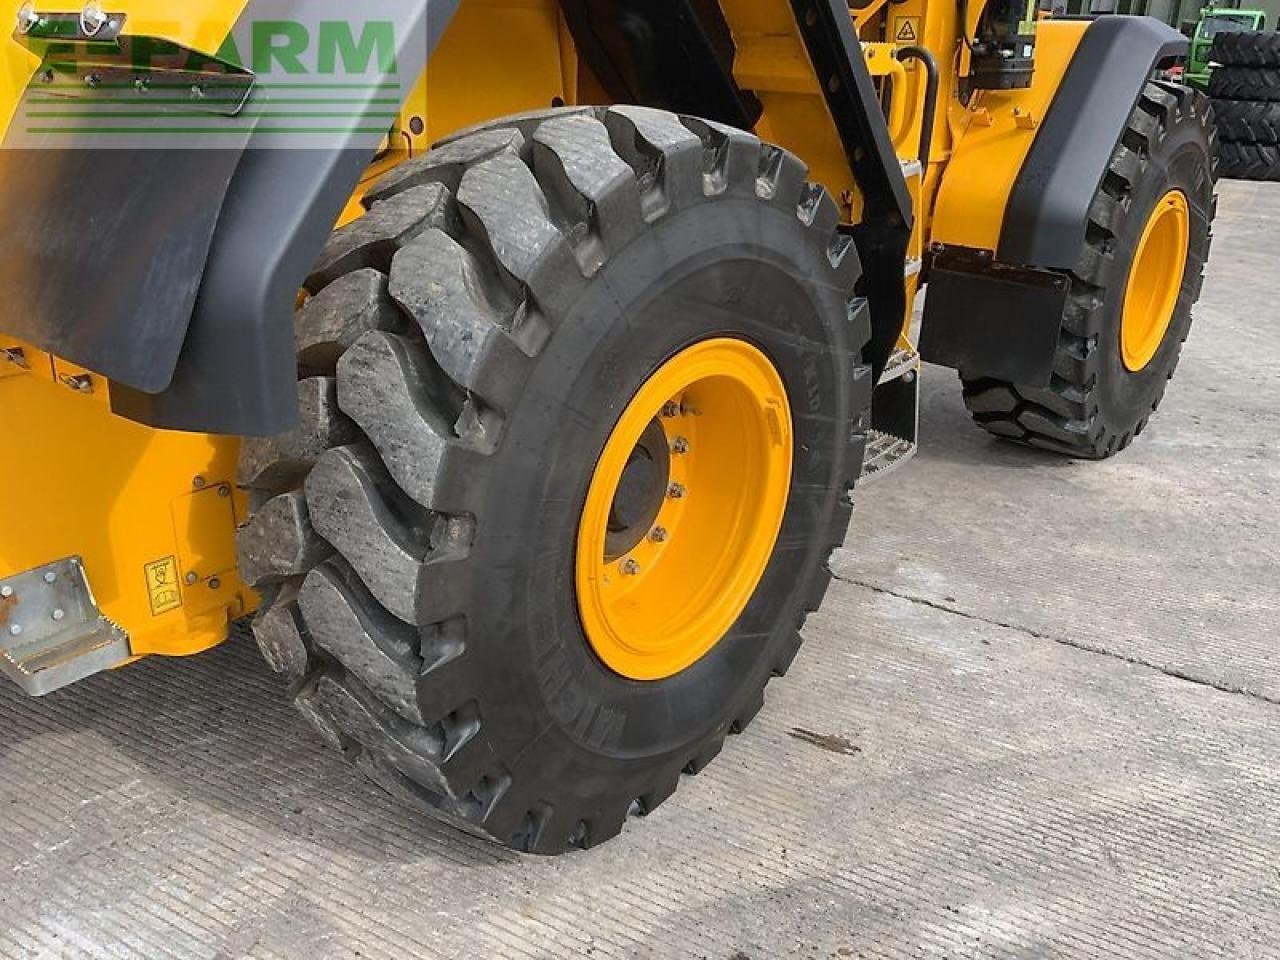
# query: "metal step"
{"type": "Point", "coordinates": [51, 630]}
{"type": "Point", "coordinates": [895, 417]}
{"type": "Point", "coordinates": [885, 452]}
{"type": "Point", "coordinates": [901, 363]}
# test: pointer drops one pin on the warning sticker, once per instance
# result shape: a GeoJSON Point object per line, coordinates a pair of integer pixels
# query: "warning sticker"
{"type": "Point", "coordinates": [906, 29]}
{"type": "Point", "coordinates": [162, 586]}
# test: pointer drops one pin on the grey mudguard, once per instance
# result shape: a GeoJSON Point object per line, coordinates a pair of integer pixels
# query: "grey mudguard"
{"type": "Point", "coordinates": [172, 266]}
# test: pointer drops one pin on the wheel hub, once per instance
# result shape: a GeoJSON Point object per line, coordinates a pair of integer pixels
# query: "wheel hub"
{"type": "Point", "coordinates": [640, 492]}
{"type": "Point", "coordinates": [684, 509]}
{"type": "Point", "coordinates": [1155, 281]}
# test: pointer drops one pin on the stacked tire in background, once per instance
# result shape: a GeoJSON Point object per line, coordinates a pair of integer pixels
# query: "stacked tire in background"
{"type": "Point", "coordinates": [1245, 88]}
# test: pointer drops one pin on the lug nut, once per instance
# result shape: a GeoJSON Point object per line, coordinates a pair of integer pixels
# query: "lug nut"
{"type": "Point", "coordinates": [658, 534]}
{"type": "Point", "coordinates": [58, 615]}
{"type": "Point", "coordinates": [629, 567]}
{"type": "Point", "coordinates": [676, 491]}
{"type": "Point", "coordinates": [50, 576]}
{"type": "Point", "coordinates": [15, 631]}
{"type": "Point", "coordinates": [680, 445]}
{"type": "Point", "coordinates": [670, 409]}
{"type": "Point", "coordinates": [6, 592]}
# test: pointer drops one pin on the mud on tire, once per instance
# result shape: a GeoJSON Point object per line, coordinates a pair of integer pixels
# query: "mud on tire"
{"type": "Point", "coordinates": [463, 353]}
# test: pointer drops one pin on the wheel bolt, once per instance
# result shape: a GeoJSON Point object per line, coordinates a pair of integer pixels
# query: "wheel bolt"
{"type": "Point", "coordinates": [658, 534]}
{"type": "Point", "coordinates": [629, 567]}
{"type": "Point", "coordinates": [670, 409]}
{"type": "Point", "coordinates": [680, 445]}
{"type": "Point", "coordinates": [676, 491]}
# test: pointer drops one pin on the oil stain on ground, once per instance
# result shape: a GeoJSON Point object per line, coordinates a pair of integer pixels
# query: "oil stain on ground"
{"type": "Point", "coordinates": [825, 741]}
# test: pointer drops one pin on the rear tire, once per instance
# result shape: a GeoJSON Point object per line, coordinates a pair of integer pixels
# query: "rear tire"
{"type": "Point", "coordinates": [1244, 83]}
{"type": "Point", "coordinates": [1247, 121]}
{"type": "Point", "coordinates": [1249, 161]}
{"type": "Point", "coordinates": [1094, 405]}
{"type": "Point", "coordinates": [466, 348]}
{"type": "Point", "coordinates": [1246, 48]}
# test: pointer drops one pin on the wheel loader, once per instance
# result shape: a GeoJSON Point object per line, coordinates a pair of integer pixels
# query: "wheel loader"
{"type": "Point", "coordinates": [509, 364]}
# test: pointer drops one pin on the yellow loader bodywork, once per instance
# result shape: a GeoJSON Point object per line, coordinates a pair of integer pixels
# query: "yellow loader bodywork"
{"type": "Point", "coordinates": [532, 494]}
{"type": "Point", "coordinates": [145, 507]}
{"type": "Point", "coordinates": [153, 513]}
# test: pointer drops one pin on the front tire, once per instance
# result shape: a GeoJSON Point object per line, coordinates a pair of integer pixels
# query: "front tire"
{"type": "Point", "coordinates": [467, 349]}
{"type": "Point", "coordinates": [1115, 358]}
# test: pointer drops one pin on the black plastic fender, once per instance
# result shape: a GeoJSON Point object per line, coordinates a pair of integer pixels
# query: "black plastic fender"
{"type": "Point", "coordinates": [174, 271]}
{"type": "Point", "coordinates": [1048, 209]}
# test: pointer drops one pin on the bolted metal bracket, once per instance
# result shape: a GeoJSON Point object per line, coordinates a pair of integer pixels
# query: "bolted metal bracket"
{"type": "Point", "coordinates": [51, 630]}
{"type": "Point", "coordinates": [90, 23]}
{"type": "Point", "coordinates": [87, 56]}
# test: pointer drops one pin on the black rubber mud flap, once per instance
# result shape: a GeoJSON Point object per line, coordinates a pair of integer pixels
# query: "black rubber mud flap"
{"type": "Point", "coordinates": [989, 320]}
{"type": "Point", "coordinates": [104, 251]}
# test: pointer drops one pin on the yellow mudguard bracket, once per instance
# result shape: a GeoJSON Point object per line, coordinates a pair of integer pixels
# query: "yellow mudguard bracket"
{"type": "Point", "coordinates": [995, 135]}
{"type": "Point", "coordinates": [151, 514]}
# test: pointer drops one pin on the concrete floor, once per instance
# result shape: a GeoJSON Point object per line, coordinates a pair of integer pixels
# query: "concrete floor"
{"type": "Point", "coordinates": [1059, 683]}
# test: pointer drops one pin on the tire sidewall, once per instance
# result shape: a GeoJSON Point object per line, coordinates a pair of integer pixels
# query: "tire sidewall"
{"type": "Point", "coordinates": [1178, 160]}
{"type": "Point", "coordinates": [689, 278]}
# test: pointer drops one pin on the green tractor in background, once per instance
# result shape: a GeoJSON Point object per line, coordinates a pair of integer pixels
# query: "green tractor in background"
{"type": "Point", "coordinates": [1215, 20]}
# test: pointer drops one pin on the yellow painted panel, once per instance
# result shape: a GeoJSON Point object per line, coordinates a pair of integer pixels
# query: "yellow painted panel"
{"type": "Point", "coordinates": [997, 133]}
{"type": "Point", "coordinates": [206, 555]}
{"type": "Point", "coordinates": [498, 57]}
{"type": "Point", "coordinates": [79, 481]}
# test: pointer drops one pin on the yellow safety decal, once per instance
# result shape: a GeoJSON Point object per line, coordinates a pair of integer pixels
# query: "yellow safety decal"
{"type": "Point", "coordinates": [162, 586]}
{"type": "Point", "coordinates": [906, 29]}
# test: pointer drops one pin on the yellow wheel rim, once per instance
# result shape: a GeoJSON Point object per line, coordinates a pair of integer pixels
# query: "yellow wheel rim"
{"type": "Point", "coordinates": [684, 509]}
{"type": "Point", "coordinates": [1155, 278]}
